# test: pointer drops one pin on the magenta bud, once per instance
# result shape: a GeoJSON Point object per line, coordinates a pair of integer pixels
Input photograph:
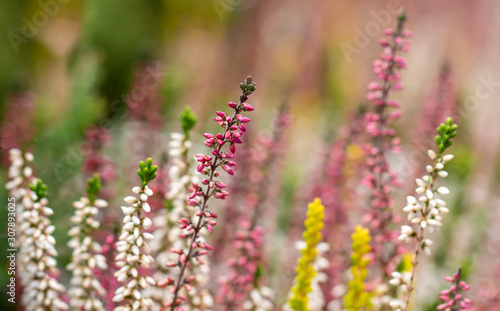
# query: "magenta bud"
{"type": "Point", "coordinates": [228, 169]}
{"type": "Point", "coordinates": [247, 107]}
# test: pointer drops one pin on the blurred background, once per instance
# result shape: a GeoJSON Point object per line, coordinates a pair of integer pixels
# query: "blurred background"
{"type": "Point", "coordinates": [66, 66]}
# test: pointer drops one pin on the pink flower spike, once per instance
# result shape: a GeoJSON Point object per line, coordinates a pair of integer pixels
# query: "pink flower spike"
{"type": "Point", "coordinates": [211, 166]}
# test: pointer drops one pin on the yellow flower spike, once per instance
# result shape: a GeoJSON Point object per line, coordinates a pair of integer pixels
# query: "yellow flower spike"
{"type": "Point", "coordinates": [357, 298]}
{"type": "Point", "coordinates": [305, 270]}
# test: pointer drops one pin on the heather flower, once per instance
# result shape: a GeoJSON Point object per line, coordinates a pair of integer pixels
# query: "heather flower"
{"type": "Point", "coordinates": [133, 249]}
{"type": "Point", "coordinates": [86, 292]}
{"type": "Point", "coordinates": [20, 177]}
{"type": "Point", "coordinates": [453, 298]}
{"type": "Point", "coordinates": [337, 193]}
{"type": "Point", "coordinates": [426, 211]}
{"type": "Point", "coordinates": [357, 298]}
{"type": "Point", "coordinates": [306, 271]}
{"type": "Point", "coordinates": [399, 280]}
{"type": "Point", "coordinates": [255, 189]}
{"type": "Point", "coordinates": [167, 231]}
{"type": "Point", "coordinates": [379, 178]}
{"type": "Point", "coordinates": [260, 299]}
{"type": "Point", "coordinates": [233, 128]}
{"type": "Point", "coordinates": [243, 265]}
{"type": "Point", "coordinates": [37, 257]}
{"type": "Point", "coordinates": [316, 299]}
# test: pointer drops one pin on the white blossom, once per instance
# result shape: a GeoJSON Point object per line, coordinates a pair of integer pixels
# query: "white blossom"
{"type": "Point", "coordinates": [37, 255]}
{"type": "Point", "coordinates": [86, 290]}
{"type": "Point", "coordinates": [425, 212]}
{"type": "Point", "coordinates": [260, 299]}
{"type": "Point", "coordinates": [133, 254]}
{"type": "Point", "coordinates": [401, 280]}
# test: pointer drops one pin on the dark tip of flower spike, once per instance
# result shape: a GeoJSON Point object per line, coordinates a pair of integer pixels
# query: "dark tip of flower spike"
{"type": "Point", "coordinates": [402, 17]}
{"type": "Point", "coordinates": [248, 87]}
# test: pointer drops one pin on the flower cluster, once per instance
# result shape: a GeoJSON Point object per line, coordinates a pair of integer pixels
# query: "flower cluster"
{"type": "Point", "coordinates": [427, 210]}
{"type": "Point", "coordinates": [399, 279]}
{"type": "Point", "coordinates": [244, 264]}
{"type": "Point", "coordinates": [453, 298]}
{"type": "Point", "coordinates": [20, 177]}
{"type": "Point", "coordinates": [299, 299]}
{"type": "Point", "coordinates": [166, 228]}
{"type": "Point", "coordinates": [259, 299]}
{"type": "Point", "coordinates": [38, 264]}
{"type": "Point", "coordinates": [233, 128]}
{"type": "Point", "coordinates": [86, 292]}
{"type": "Point", "coordinates": [133, 249]}
{"type": "Point", "coordinates": [316, 299]}
{"type": "Point", "coordinates": [357, 298]}
{"type": "Point", "coordinates": [379, 178]}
